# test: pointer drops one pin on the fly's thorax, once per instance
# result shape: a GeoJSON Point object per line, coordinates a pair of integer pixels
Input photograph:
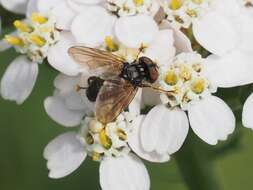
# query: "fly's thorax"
{"type": "Point", "coordinates": [132, 7]}
{"type": "Point", "coordinates": [185, 80]}
{"type": "Point", "coordinates": [34, 36]}
{"type": "Point", "coordinates": [108, 140]}
{"type": "Point", "coordinates": [182, 13]}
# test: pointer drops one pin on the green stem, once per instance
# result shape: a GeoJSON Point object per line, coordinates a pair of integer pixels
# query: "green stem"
{"type": "Point", "coordinates": [195, 165]}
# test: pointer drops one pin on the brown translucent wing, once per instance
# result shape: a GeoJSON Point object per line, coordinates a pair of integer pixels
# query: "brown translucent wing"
{"type": "Point", "coordinates": [97, 61]}
{"type": "Point", "coordinates": [114, 96]}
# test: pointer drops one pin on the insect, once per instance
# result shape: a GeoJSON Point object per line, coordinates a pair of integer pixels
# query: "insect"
{"type": "Point", "coordinates": [117, 82]}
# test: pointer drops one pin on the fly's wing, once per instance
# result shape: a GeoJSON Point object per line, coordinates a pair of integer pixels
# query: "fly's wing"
{"type": "Point", "coordinates": [114, 96]}
{"type": "Point", "coordinates": [99, 62]}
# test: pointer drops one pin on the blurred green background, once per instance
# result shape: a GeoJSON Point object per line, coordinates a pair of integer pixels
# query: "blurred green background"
{"type": "Point", "coordinates": [25, 130]}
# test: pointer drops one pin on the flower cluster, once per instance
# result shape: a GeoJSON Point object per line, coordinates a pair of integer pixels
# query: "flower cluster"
{"type": "Point", "coordinates": [127, 57]}
{"type": "Point", "coordinates": [35, 37]}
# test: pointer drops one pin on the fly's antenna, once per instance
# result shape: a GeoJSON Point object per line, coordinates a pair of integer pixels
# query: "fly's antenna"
{"type": "Point", "coordinates": [78, 88]}
{"type": "Point", "coordinates": [141, 49]}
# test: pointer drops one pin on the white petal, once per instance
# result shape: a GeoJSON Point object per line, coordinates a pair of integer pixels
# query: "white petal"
{"type": "Point", "coordinates": [135, 144]}
{"type": "Point", "coordinates": [124, 173]}
{"type": "Point", "coordinates": [59, 58]}
{"type": "Point", "coordinates": [4, 45]}
{"type": "Point", "coordinates": [16, 6]}
{"type": "Point", "coordinates": [136, 30]}
{"type": "Point", "coordinates": [19, 79]}
{"type": "Point", "coordinates": [57, 109]}
{"type": "Point", "coordinates": [230, 8]}
{"type": "Point", "coordinates": [211, 119]}
{"type": "Point", "coordinates": [89, 2]}
{"type": "Point", "coordinates": [230, 70]}
{"type": "Point", "coordinates": [64, 16]}
{"type": "Point", "coordinates": [164, 130]}
{"type": "Point", "coordinates": [44, 6]}
{"type": "Point", "coordinates": [92, 26]}
{"type": "Point", "coordinates": [32, 7]}
{"type": "Point", "coordinates": [247, 112]}
{"type": "Point", "coordinates": [64, 155]}
{"type": "Point", "coordinates": [181, 41]}
{"type": "Point", "coordinates": [66, 83]}
{"type": "Point", "coordinates": [162, 49]}
{"type": "Point", "coordinates": [247, 31]}
{"type": "Point", "coordinates": [135, 105]}
{"type": "Point", "coordinates": [216, 33]}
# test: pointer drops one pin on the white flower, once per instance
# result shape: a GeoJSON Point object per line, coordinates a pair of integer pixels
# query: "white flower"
{"type": "Point", "coordinates": [224, 28]}
{"type": "Point", "coordinates": [33, 39]}
{"type": "Point", "coordinates": [165, 127]}
{"type": "Point", "coordinates": [105, 144]}
{"type": "Point", "coordinates": [68, 106]}
{"type": "Point", "coordinates": [183, 13]}
{"type": "Point", "coordinates": [96, 22]}
{"type": "Point", "coordinates": [226, 31]}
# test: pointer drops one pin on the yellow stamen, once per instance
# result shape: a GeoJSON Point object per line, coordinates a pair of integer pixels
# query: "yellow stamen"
{"type": "Point", "coordinates": [122, 135]}
{"type": "Point", "coordinates": [37, 18]}
{"type": "Point", "coordinates": [111, 46]}
{"type": "Point", "coordinates": [198, 86]}
{"type": "Point", "coordinates": [105, 141]}
{"type": "Point", "coordinates": [95, 156]}
{"type": "Point", "coordinates": [185, 73]}
{"type": "Point", "coordinates": [15, 41]}
{"type": "Point", "coordinates": [175, 4]}
{"type": "Point", "coordinates": [38, 40]}
{"type": "Point", "coordinates": [21, 26]}
{"type": "Point", "coordinates": [138, 2]}
{"type": "Point", "coordinates": [192, 13]}
{"type": "Point", "coordinates": [89, 139]}
{"type": "Point", "coordinates": [171, 78]}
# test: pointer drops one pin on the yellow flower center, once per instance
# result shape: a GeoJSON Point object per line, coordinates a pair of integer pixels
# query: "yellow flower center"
{"type": "Point", "coordinates": [171, 78]}
{"type": "Point", "coordinates": [176, 4]}
{"type": "Point", "coordinates": [138, 2]}
{"type": "Point", "coordinates": [198, 86]}
{"type": "Point", "coordinates": [185, 73]}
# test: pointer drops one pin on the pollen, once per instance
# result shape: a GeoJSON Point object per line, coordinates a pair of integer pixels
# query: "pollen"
{"type": "Point", "coordinates": [122, 135]}
{"type": "Point", "coordinates": [15, 41]}
{"type": "Point", "coordinates": [176, 4]}
{"type": "Point", "coordinates": [171, 78]}
{"type": "Point", "coordinates": [38, 40]}
{"type": "Point", "coordinates": [96, 156]}
{"type": "Point", "coordinates": [89, 139]}
{"type": "Point", "coordinates": [105, 141]}
{"type": "Point", "coordinates": [198, 86]}
{"type": "Point", "coordinates": [39, 19]}
{"type": "Point", "coordinates": [21, 26]}
{"type": "Point", "coordinates": [138, 2]}
{"type": "Point", "coordinates": [185, 73]}
{"type": "Point", "coordinates": [110, 44]}
{"type": "Point", "coordinates": [191, 13]}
